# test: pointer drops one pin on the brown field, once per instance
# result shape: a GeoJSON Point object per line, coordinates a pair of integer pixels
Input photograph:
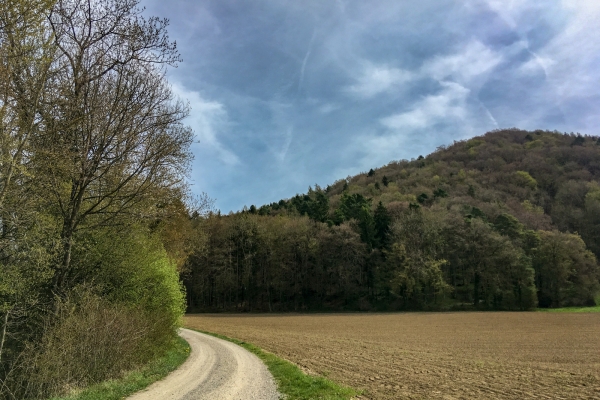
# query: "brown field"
{"type": "Point", "coordinates": [433, 355]}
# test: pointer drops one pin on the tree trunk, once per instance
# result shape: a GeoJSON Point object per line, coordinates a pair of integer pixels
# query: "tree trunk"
{"type": "Point", "coordinates": [2, 339]}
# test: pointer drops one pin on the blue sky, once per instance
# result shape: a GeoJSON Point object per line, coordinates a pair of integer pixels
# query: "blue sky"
{"type": "Point", "coordinates": [286, 94]}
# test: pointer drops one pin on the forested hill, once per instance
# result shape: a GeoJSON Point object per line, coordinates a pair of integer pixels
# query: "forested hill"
{"type": "Point", "coordinates": [507, 220]}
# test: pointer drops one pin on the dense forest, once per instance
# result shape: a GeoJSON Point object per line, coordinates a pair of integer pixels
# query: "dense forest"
{"type": "Point", "coordinates": [93, 156]}
{"type": "Point", "coordinates": [505, 221]}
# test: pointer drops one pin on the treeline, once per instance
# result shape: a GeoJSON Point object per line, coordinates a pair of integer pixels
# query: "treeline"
{"type": "Point", "coordinates": [92, 157]}
{"type": "Point", "coordinates": [489, 223]}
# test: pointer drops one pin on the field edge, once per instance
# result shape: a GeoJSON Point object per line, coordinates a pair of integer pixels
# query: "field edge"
{"type": "Point", "coordinates": [593, 309]}
{"type": "Point", "coordinates": [134, 381]}
{"type": "Point", "coordinates": [291, 381]}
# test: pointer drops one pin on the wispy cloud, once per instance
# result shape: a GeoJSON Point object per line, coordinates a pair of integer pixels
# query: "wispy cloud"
{"type": "Point", "coordinates": [449, 103]}
{"type": "Point", "coordinates": [328, 108]}
{"type": "Point", "coordinates": [325, 89]}
{"type": "Point", "coordinates": [305, 59]}
{"type": "Point", "coordinates": [206, 119]}
{"type": "Point", "coordinates": [575, 52]}
{"type": "Point", "coordinates": [469, 62]}
{"type": "Point", "coordinates": [376, 79]}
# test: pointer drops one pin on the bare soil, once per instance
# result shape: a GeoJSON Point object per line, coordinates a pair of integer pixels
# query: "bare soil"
{"type": "Point", "coordinates": [465, 355]}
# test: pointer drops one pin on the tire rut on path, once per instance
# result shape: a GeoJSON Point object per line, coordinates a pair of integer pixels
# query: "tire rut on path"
{"type": "Point", "coordinates": [217, 370]}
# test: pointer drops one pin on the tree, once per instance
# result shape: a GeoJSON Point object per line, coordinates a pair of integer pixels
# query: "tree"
{"type": "Point", "coordinates": [385, 180]}
{"type": "Point", "coordinates": [114, 147]}
{"type": "Point", "coordinates": [25, 234]}
{"type": "Point", "coordinates": [471, 191]}
{"type": "Point", "coordinates": [439, 192]}
{"type": "Point", "coordinates": [319, 207]}
{"type": "Point", "coordinates": [567, 274]}
{"type": "Point", "coordinates": [382, 220]}
{"type": "Point", "coordinates": [485, 268]}
{"type": "Point", "coordinates": [92, 152]}
{"type": "Point", "coordinates": [508, 225]}
{"type": "Point", "coordinates": [371, 172]}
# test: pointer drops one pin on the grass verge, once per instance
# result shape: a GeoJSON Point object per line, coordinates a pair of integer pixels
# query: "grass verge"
{"type": "Point", "coordinates": [291, 381]}
{"type": "Point", "coordinates": [134, 381]}
{"type": "Point", "coordinates": [595, 309]}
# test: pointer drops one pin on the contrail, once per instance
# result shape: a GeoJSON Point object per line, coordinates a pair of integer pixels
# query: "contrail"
{"type": "Point", "coordinates": [306, 59]}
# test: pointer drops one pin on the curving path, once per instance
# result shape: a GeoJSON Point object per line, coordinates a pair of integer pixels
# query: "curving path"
{"type": "Point", "coordinates": [215, 370]}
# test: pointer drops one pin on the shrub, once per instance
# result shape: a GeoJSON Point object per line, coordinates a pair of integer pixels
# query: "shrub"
{"type": "Point", "coordinates": [87, 341]}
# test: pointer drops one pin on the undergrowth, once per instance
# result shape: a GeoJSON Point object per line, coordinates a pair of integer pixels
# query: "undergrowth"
{"type": "Point", "coordinates": [134, 381]}
{"type": "Point", "coordinates": [291, 381]}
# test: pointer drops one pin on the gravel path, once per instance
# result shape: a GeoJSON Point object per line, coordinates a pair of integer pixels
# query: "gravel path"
{"type": "Point", "coordinates": [215, 370]}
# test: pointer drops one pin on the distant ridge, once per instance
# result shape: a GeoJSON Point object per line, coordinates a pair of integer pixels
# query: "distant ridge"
{"type": "Point", "coordinates": [507, 220]}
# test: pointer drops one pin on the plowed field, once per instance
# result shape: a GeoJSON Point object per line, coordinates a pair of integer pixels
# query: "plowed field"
{"type": "Point", "coordinates": [433, 355]}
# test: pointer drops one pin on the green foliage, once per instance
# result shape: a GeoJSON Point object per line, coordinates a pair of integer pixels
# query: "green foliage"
{"type": "Point", "coordinates": [417, 280]}
{"type": "Point", "coordinates": [471, 191]}
{"type": "Point", "coordinates": [382, 220]}
{"type": "Point", "coordinates": [487, 270]}
{"type": "Point", "coordinates": [524, 179]}
{"type": "Point", "coordinates": [508, 225]}
{"type": "Point", "coordinates": [440, 193]}
{"type": "Point", "coordinates": [566, 272]}
{"type": "Point", "coordinates": [465, 228]}
{"type": "Point", "coordinates": [572, 310]}
{"type": "Point", "coordinates": [578, 141]}
{"type": "Point", "coordinates": [90, 341]}
{"type": "Point", "coordinates": [353, 206]}
{"type": "Point", "coordinates": [422, 198]}
{"type": "Point", "coordinates": [88, 183]}
{"type": "Point", "coordinates": [315, 204]}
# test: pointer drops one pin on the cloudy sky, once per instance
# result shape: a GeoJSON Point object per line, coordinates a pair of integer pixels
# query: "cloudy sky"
{"type": "Point", "coordinates": [287, 93]}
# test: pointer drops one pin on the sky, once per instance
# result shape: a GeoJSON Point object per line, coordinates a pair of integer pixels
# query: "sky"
{"type": "Point", "coordinates": [284, 94]}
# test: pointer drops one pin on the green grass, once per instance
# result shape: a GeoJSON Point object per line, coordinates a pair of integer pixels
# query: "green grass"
{"type": "Point", "coordinates": [571, 309]}
{"type": "Point", "coordinates": [291, 381]}
{"type": "Point", "coordinates": [137, 380]}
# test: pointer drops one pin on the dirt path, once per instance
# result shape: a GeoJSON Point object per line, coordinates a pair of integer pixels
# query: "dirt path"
{"type": "Point", "coordinates": [216, 370]}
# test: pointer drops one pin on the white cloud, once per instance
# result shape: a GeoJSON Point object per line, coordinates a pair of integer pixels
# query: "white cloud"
{"type": "Point", "coordinates": [569, 60]}
{"type": "Point", "coordinates": [409, 133]}
{"type": "Point", "coordinates": [473, 60]}
{"type": "Point", "coordinates": [575, 51]}
{"type": "Point", "coordinates": [511, 11]}
{"type": "Point", "coordinates": [328, 108]}
{"type": "Point", "coordinates": [376, 79]}
{"type": "Point", "coordinates": [448, 104]}
{"type": "Point", "coordinates": [206, 119]}
{"type": "Point", "coordinates": [469, 67]}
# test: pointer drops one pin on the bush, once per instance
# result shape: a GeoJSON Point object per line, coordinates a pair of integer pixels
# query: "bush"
{"type": "Point", "coordinates": [133, 269]}
{"type": "Point", "coordinates": [122, 313]}
{"type": "Point", "coordinates": [87, 341]}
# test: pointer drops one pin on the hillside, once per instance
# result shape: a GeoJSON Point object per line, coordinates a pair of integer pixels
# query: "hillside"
{"type": "Point", "coordinates": [507, 220]}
